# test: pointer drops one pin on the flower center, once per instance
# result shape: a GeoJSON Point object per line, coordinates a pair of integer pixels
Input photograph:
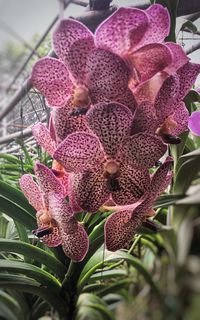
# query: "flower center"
{"type": "Point", "coordinates": [164, 131]}
{"type": "Point", "coordinates": [111, 167]}
{"type": "Point", "coordinates": [111, 173]}
{"type": "Point", "coordinates": [81, 98]}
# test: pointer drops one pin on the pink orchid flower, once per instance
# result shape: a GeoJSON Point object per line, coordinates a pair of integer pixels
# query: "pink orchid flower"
{"type": "Point", "coordinates": [55, 218]}
{"type": "Point", "coordinates": [161, 109]}
{"type": "Point", "coordinates": [127, 47]}
{"type": "Point", "coordinates": [194, 123]}
{"type": "Point", "coordinates": [108, 162]}
{"type": "Point", "coordinates": [121, 226]}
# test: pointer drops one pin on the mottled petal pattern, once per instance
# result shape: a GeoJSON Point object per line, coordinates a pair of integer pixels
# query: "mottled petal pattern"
{"type": "Point", "coordinates": [79, 151]}
{"type": "Point", "coordinates": [159, 25]}
{"type": "Point", "coordinates": [132, 185]}
{"type": "Point", "coordinates": [31, 191]}
{"type": "Point", "coordinates": [111, 122]}
{"type": "Point", "coordinates": [72, 43]}
{"type": "Point", "coordinates": [54, 238]}
{"type": "Point", "coordinates": [194, 123]}
{"type": "Point", "coordinates": [43, 138]}
{"type": "Point", "coordinates": [119, 229]}
{"type": "Point", "coordinates": [150, 59]}
{"type": "Point", "coordinates": [181, 116]}
{"type": "Point", "coordinates": [179, 57]}
{"type": "Point", "coordinates": [90, 190]}
{"type": "Point", "coordinates": [107, 75]}
{"type": "Point", "coordinates": [65, 123]}
{"type": "Point", "coordinates": [145, 119]}
{"type": "Point", "coordinates": [47, 180]}
{"type": "Point", "coordinates": [143, 150]}
{"type": "Point", "coordinates": [51, 77]}
{"type": "Point", "coordinates": [122, 31]}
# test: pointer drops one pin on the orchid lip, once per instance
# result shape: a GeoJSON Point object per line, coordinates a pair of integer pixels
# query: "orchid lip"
{"type": "Point", "coordinates": [168, 138]}
{"type": "Point", "coordinates": [43, 231]}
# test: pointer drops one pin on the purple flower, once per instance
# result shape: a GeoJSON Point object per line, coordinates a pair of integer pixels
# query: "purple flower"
{"type": "Point", "coordinates": [161, 109]}
{"type": "Point", "coordinates": [108, 162]}
{"type": "Point", "coordinates": [55, 218]}
{"type": "Point", "coordinates": [194, 123]}
{"type": "Point", "coordinates": [121, 226]}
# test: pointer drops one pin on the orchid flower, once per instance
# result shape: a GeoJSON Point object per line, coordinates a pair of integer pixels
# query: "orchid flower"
{"type": "Point", "coordinates": [55, 218]}
{"type": "Point", "coordinates": [161, 109]}
{"type": "Point", "coordinates": [194, 123]}
{"type": "Point", "coordinates": [108, 162]}
{"type": "Point", "coordinates": [121, 226]}
{"type": "Point", "coordinates": [127, 47]}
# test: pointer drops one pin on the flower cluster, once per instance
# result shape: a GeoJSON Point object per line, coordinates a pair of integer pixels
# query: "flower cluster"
{"type": "Point", "coordinates": [117, 100]}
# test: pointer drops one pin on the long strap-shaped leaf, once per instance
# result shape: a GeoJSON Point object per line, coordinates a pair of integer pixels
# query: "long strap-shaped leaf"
{"type": "Point", "coordinates": [16, 212]}
{"type": "Point", "coordinates": [25, 284]}
{"type": "Point", "coordinates": [43, 277]}
{"type": "Point", "coordinates": [34, 252]}
{"type": "Point", "coordinates": [97, 261]}
{"type": "Point", "coordinates": [15, 195]}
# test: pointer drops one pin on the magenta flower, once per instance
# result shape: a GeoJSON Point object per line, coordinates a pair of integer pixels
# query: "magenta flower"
{"type": "Point", "coordinates": [101, 67]}
{"type": "Point", "coordinates": [56, 222]}
{"type": "Point", "coordinates": [121, 226]}
{"type": "Point", "coordinates": [161, 109]}
{"type": "Point", "coordinates": [194, 123]}
{"type": "Point", "coordinates": [108, 162]}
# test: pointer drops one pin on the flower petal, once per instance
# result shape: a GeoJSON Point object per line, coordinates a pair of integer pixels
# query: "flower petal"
{"type": "Point", "coordinates": [122, 30]}
{"type": "Point", "coordinates": [107, 76]}
{"type": "Point", "coordinates": [159, 25]}
{"type": "Point", "coordinates": [79, 151]}
{"type": "Point", "coordinates": [66, 124]}
{"type": "Point", "coordinates": [194, 123]}
{"type": "Point", "coordinates": [150, 59]}
{"type": "Point", "coordinates": [75, 245]}
{"type": "Point", "coordinates": [132, 185]}
{"type": "Point", "coordinates": [51, 77]}
{"type": "Point", "coordinates": [143, 150]}
{"type": "Point", "coordinates": [187, 76]}
{"type": "Point", "coordinates": [31, 191]}
{"type": "Point", "coordinates": [179, 57]}
{"type": "Point", "coordinates": [47, 180]}
{"type": "Point", "coordinates": [181, 116]}
{"type": "Point", "coordinates": [111, 122]}
{"type": "Point", "coordinates": [43, 137]}
{"type": "Point", "coordinates": [90, 190]}
{"type": "Point", "coordinates": [54, 238]}
{"type": "Point", "coordinates": [167, 96]}
{"type": "Point", "coordinates": [145, 119]}
{"type": "Point", "coordinates": [72, 43]}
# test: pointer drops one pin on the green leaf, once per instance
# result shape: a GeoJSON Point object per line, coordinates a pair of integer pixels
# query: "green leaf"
{"type": "Point", "coordinates": [25, 284]}
{"type": "Point", "coordinates": [9, 308]}
{"type": "Point", "coordinates": [189, 25]}
{"type": "Point", "coordinates": [34, 252]}
{"type": "Point", "coordinates": [17, 213]}
{"type": "Point", "coordinates": [16, 196]}
{"type": "Point", "coordinates": [97, 261]}
{"type": "Point", "coordinates": [9, 158]}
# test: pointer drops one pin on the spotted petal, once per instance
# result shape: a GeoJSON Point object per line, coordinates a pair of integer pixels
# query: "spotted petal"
{"type": "Point", "coordinates": [143, 150]}
{"type": "Point", "coordinates": [72, 43]}
{"type": "Point", "coordinates": [47, 180]}
{"type": "Point", "coordinates": [159, 25]}
{"type": "Point", "coordinates": [65, 123]}
{"type": "Point", "coordinates": [181, 116]}
{"type": "Point", "coordinates": [43, 137]}
{"type": "Point", "coordinates": [75, 241]}
{"type": "Point", "coordinates": [90, 190]}
{"type": "Point", "coordinates": [122, 31]}
{"type": "Point", "coordinates": [107, 76]}
{"type": "Point", "coordinates": [194, 123]}
{"type": "Point", "coordinates": [54, 238]}
{"type": "Point", "coordinates": [150, 59]}
{"type": "Point", "coordinates": [51, 77]}
{"type": "Point", "coordinates": [111, 122]}
{"type": "Point", "coordinates": [31, 191]}
{"type": "Point", "coordinates": [145, 119]}
{"type": "Point", "coordinates": [132, 185]}
{"type": "Point", "coordinates": [179, 57]}
{"type": "Point", "coordinates": [79, 151]}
